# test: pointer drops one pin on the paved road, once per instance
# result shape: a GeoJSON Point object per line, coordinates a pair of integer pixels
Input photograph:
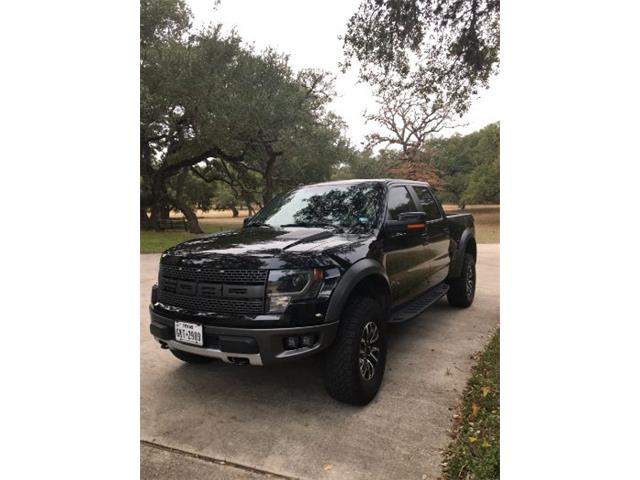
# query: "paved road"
{"type": "Point", "coordinates": [222, 421]}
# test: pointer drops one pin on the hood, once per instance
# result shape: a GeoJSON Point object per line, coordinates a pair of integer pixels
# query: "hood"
{"type": "Point", "coordinates": [265, 247]}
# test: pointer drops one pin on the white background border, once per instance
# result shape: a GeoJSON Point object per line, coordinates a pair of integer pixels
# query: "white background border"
{"type": "Point", "coordinates": [70, 240]}
{"type": "Point", "coordinates": [569, 267]}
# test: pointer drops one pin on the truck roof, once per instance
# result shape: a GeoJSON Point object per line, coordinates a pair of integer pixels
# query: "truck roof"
{"type": "Point", "coordinates": [387, 181]}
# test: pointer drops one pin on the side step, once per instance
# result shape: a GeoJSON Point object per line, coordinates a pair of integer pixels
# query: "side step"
{"type": "Point", "coordinates": [418, 305]}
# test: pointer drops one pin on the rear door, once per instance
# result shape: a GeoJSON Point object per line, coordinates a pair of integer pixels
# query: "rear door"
{"type": "Point", "coordinates": [437, 235]}
{"type": "Point", "coordinates": [404, 255]}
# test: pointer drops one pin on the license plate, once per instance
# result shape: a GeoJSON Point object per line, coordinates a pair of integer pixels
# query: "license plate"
{"type": "Point", "coordinates": [189, 333]}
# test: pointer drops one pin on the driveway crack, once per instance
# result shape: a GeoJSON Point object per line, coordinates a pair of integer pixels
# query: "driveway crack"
{"type": "Point", "coordinates": [216, 461]}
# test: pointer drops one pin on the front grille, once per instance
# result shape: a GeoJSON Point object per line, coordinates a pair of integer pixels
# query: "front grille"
{"type": "Point", "coordinates": [208, 290]}
{"type": "Point", "coordinates": [215, 305]}
{"type": "Point", "coordinates": [242, 277]}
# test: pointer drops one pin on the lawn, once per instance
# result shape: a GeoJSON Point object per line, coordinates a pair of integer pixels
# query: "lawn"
{"type": "Point", "coordinates": [487, 221]}
{"type": "Point", "coordinates": [474, 452]}
{"type": "Point", "coordinates": [156, 242]}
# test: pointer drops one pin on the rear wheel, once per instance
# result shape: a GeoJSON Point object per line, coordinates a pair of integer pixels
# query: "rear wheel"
{"type": "Point", "coordinates": [190, 357]}
{"type": "Point", "coordinates": [462, 290]}
{"type": "Point", "coordinates": [354, 364]}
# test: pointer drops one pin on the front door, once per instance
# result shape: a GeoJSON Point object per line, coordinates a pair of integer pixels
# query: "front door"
{"type": "Point", "coordinates": [404, 254]}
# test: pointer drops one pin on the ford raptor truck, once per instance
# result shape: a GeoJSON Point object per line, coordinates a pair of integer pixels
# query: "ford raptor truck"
{"type": "Point", "coordinates": [320, 270]}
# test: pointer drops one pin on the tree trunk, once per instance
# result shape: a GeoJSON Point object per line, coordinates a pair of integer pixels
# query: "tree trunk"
{"type": "Point", "coordinates": [193, 224]}
{"type": "Point", "coordinates": [145, 222]}
{"type": "Point", "coordinates": [157, 178]}
{"type": "Point", "coordinates": [235, 211]}
{"type": "Point", "coordinates": [267, 194]}
{"type": "Point", "coordinates": [158, 196]}
{"type": "Point", "coordinates": [245, 198]}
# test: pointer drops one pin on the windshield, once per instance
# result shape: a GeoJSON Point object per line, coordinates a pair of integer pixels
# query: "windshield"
{"type": "Point", "coordinates": [349, 207]}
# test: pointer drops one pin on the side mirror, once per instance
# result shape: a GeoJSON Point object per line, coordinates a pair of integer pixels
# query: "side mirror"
{"type": "Point", "coordinates": [407, 223]}
{"type": "Point", "coordinates": [246, 220]}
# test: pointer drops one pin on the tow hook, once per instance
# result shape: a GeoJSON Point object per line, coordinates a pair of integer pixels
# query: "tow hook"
{"type": "Point", "coordinates": [238, 360]}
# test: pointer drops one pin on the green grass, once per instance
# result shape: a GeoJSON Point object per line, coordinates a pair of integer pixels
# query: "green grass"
{"type": "Point", "coordinates": [157, 242]}
{"type": "Point", "coordinates": [475, 451]}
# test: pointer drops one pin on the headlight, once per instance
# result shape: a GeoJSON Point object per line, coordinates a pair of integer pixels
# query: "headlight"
{"type": "Point", "coordinates": [289, 282]}
{"type": "Point", "coordinates": [284, 286]}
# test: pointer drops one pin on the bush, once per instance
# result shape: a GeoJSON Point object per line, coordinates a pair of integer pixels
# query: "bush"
{"type": "Point", "coordinates": [484, 184]}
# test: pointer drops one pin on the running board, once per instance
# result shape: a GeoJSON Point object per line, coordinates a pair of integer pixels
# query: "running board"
{"type": "Point", "coordinates": [418, 305]}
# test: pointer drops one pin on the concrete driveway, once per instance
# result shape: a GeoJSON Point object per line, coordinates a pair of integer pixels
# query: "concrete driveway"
{"type": "Point", "coordinates": [220, 421]}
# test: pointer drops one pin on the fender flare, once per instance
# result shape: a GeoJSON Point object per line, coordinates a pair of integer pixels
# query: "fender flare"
{"type": "Point", "coordinates": [353, 276]}
{"type": "Point", "coordinates": [458, 256]}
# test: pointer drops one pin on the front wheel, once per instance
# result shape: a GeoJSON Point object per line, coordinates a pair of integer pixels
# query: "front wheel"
{"type": "Point", "coordinates": [462, 290]}
{"type": "Point", "coordinates": [354, 364]}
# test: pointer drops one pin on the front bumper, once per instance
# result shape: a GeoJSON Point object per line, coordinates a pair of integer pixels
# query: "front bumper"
{"type": "Point", "coordinates": [263, 346]}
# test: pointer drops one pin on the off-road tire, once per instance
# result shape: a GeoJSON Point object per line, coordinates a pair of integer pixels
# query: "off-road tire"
{"type": "Point", "coordinates": [190, 357]}
{"type": "Point", "coordinates": [343, 379]}
{"type": "Point", "coordinates": [460, 294]}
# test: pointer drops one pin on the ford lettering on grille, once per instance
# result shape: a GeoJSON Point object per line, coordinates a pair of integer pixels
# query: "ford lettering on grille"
{"type": "Point", "coordinates": [216, 291]}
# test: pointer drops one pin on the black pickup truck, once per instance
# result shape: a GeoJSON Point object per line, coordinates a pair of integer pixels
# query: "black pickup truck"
{"type": "Point", "coordinates": [321, 269]}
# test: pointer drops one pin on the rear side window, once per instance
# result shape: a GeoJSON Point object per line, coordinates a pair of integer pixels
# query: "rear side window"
{"type": "Point", "coordinates": [427, 203]}
{"type": "Point", "coordinates": [400, 202]}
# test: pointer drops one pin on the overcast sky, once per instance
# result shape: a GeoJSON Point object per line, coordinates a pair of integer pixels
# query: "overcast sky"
{"type": "Point", "coordinates": [308, 31]}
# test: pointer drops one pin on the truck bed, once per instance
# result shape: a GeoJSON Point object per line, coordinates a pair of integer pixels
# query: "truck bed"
{"type": "Point", "coordinates": [458, 223]}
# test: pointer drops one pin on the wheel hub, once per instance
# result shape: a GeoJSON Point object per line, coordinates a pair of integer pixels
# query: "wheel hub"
{"type": "Point", "coordinates": [469, 281]}
{"type": "Point", "coordinates": [369, 350]}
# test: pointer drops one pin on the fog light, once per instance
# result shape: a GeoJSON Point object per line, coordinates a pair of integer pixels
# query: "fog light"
{"type": "Point", "coordinates": [291, 342]}
{"type": "Point", "coordinates": [278, 303]}
{"type": "Point", "coordinates": [308, 340]}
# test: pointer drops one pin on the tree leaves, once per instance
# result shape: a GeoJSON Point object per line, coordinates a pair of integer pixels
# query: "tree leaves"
{"type": "Point", "coordinates": [448, 43]}
{"type": "Point", "coordinates": [426, 60]}
{"type": "Point", "coordinates": [207, 100]}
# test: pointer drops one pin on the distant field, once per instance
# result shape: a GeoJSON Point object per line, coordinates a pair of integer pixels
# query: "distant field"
{"type": "Point", "coordinates": [210, 222]}
{"type": "Point", "coordinates": [487, 220]}
{"type": "Point", "coordinates": [157, 242]}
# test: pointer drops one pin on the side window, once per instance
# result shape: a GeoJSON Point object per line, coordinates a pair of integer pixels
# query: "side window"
{"type": "Point", "coordinates": [400, 202]}
{"type": "Point", "coordinates": [428, 203]}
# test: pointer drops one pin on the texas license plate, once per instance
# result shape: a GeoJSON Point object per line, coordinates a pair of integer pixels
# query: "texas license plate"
{"type": "Point", "coordinates": [189, 333]}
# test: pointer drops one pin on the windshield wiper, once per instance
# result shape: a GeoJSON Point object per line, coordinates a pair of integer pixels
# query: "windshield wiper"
{"type": "Point", "coordinates": [257, 224]}
{"type": "Point", "coordinates": [337, 228]}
